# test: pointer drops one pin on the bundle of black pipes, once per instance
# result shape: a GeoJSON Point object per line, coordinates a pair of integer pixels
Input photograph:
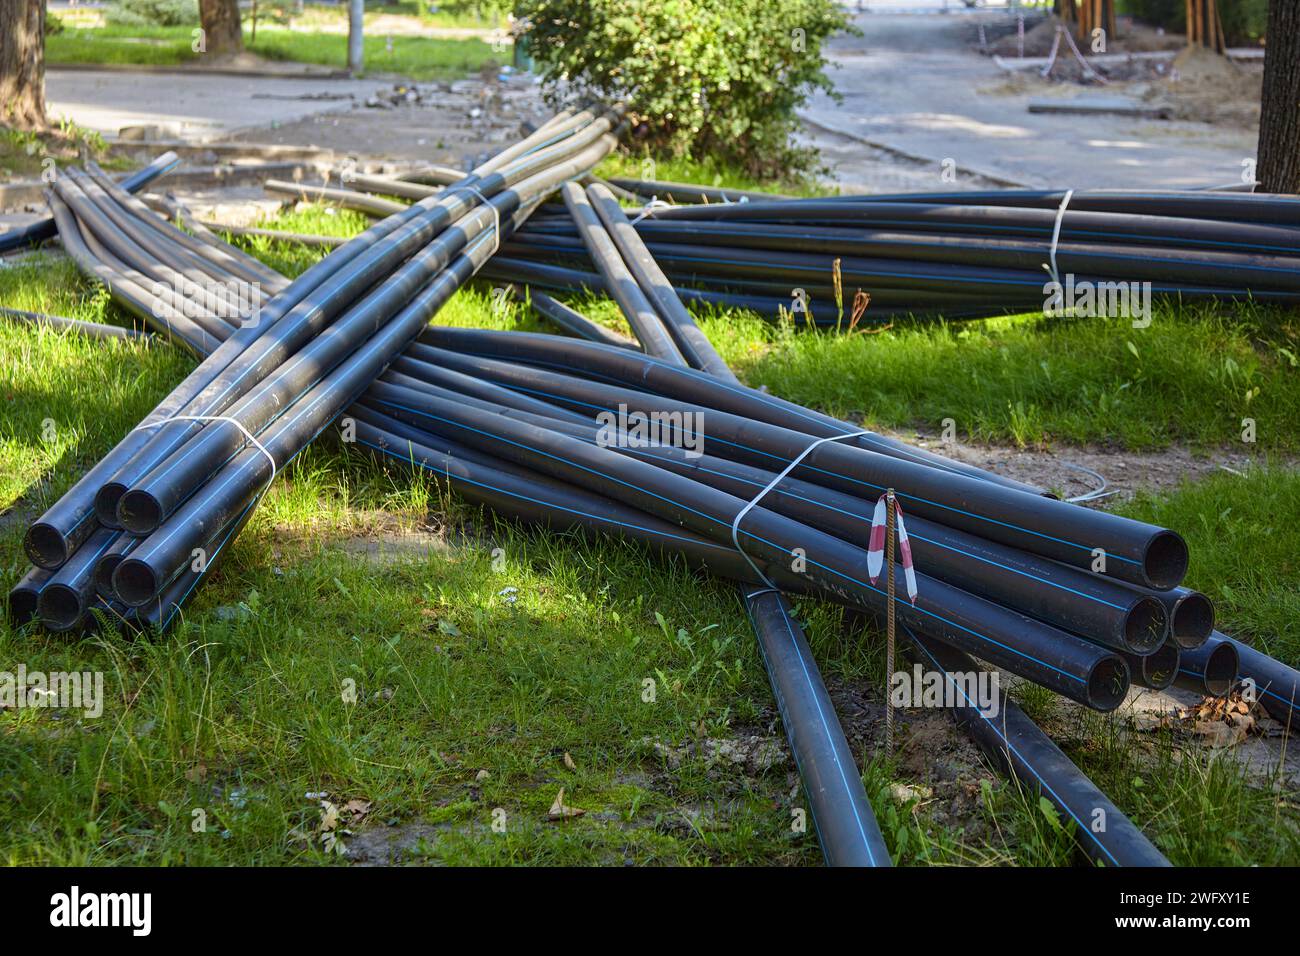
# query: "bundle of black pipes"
{"type": "Point", "coordinates": [303, 357]}
{"type": "Point", "coordinates": [44, 228]}
{"type": "Point", "coordinates": [959, 254]}
{"type": "Point", "coordinates": [962, 255]}
{"type": "Point", "coordinates": [512, 421]}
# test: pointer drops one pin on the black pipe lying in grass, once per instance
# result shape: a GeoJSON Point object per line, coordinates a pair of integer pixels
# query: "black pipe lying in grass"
{"type": "Point", "coordinates": [92, 330]}
{"type": "Point", "coordinates": [46, 228]}
{"type": "Point", "coordinates": [846, 827]}
{"type": "Point", "coordinates": [1010, 738]}
{"type": "Point", "coordinates": [1158, 670]}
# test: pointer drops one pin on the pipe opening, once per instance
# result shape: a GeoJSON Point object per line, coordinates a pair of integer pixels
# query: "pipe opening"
{"type": "Point", "coordinates": [1146, 626]}
{"type": "Point", "coordinates": [1160, 668]}
{"type": "Point", "coordinates": [1193, 620]}
{"type": "Point", "coordinates": [104, 569]}
{"type": "Point", "coordinates": [60, 607]}
{"type": "Point", "coordinates": [139, 512]}
{"type": "Point", "coordinates": [1221, 670]}
{"type": "Point", "coordinates": [106, 501]}
{"type": "Point", "coordinates": [135, 582]}
{"type": "Point", "coordinates": [1165, 561]}
{"type": "Point", "coordinates": [46, 546]}
{"type": "Point", "coordinates": [1108, 683]}
{"type": "Point", "coordinates": [22, 606]}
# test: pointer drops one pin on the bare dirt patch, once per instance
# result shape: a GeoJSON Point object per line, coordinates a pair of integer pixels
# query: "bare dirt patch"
{"type": "Point", "coordinates": [453, 124]}
{"type": "Point", "coordinates": [1126, 472]}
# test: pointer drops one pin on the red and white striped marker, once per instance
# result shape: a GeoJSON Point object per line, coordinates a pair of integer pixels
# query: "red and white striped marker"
{"type": "Point", "coordinates": [876, 546]}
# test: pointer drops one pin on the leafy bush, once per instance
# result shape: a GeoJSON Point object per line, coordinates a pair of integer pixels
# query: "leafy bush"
{"type": "Point", "coordinates": [153, 13]}
{"type": "Point", "coordinates": [718, 78]}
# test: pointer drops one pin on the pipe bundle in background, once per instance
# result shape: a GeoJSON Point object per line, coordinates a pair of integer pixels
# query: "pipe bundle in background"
{"type": "Point", "coordinates": [962, 255]}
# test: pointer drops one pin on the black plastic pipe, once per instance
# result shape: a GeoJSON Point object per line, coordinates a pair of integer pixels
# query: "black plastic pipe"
{"type": "Point", "coordinates": [689, 385]}
{"type": "Point", "coordinates": [154, 563]}
{"type": "Point", "coordinates": [92, 330]}
{"type": "Point", "coordinates": [1213, 669]}
{"type": "Point", "coordinates": [46, 228]}
{"type": "Point", "coordinates": [1011, 739]}
{"type": "Point", "coordinates": [1158, 670]}
{"type": "Point", "coordinates": [692, 344]}
{"type": "Point", "coordinates": [1119, 547]}
{"type": "Point", "coordinates": [63, 527]}
{"type": "Point", "coordinates": [68, 594]}
{"type": "Point", "coordinates": [1070, 665]}
{"type": "Point", "coordinates": [619, 282]}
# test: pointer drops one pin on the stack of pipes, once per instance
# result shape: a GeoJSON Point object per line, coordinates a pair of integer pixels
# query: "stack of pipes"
{"type": "Point", "coordinates": [655, 441]}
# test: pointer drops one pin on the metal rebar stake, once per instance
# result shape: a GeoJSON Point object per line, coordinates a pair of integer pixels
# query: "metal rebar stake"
{"type": "Point", "coordinates": [889, 620]}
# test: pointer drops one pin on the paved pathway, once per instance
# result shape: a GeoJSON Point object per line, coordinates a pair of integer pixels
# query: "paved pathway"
{"type": "Point", "coordinates": [914, 83]}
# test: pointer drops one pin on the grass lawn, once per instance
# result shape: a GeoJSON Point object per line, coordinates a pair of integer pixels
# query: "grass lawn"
{"type": "Point", "coordinates": [416, 57]}
{"type": "Point", "coordinates": [398, 681]}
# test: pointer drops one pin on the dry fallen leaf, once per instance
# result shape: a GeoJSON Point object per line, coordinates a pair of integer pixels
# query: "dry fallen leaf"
{"type": "Point", "coordinates": [329, 816]}
{"type": "Point", "coordinates": [196, 774]}
{"type": "Point", "coordinates": [568, 761]}
{"type": "Point", "coordinates": [356, 810]}
{"type": "Point", "coordinates": [559, 811]}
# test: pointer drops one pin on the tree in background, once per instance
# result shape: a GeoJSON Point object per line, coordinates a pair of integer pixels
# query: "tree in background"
{"type": "Point", "coordinates": [22, 64]}
{"type": "Point", "coordinates": [1278, 167]}
{"type": "Point", "coordinates": [1204, 25]}
{"type": "Point", "coordinates": [1086, 16]}
{"type": "Point", "coordinates": [220, 22]}
{"type": "Point", "coordinates": [718, 78]}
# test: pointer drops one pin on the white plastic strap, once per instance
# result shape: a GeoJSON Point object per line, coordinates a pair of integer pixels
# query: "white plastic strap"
{"type": "Point", "coordinates": [654, 203]}
{"type": "Point", "coordinates": [218, 418]}
{"type": "Point", "coordinates": [496, 216]}
{"type": "Point", "coordinates": [1056, 237]}
{"type": "Point", "coordinates": [735, 525]}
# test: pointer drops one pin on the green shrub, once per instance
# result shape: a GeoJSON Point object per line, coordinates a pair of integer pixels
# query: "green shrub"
{"type": "Point", "coordinates": [153, 13]}
{"type": "Point", "coordinates": [719, 78]}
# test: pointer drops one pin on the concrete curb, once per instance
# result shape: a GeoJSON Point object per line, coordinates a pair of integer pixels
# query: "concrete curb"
{"type": "Point", "coordinates": [995, 178]}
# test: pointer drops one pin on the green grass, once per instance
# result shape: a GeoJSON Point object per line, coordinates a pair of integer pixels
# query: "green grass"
{"type": "Point", "coordinates": [1190, 378]}
{"type": "Point", "coordinates": [29, 155]}
{"type": "Point", "coordinates": [419, 58]}
{"type": "Point", "coordinates": [300, 668]}
{"type": "Point", "coordinates": [684, 169]}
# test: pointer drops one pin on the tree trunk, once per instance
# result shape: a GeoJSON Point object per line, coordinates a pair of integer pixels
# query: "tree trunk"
{"type": "Point", "coordinates": [22, 64]}
{"type": "Point", "coordinates": [1095, 14]}
{"type": "Point", "coordinates": [220, 20]}
{"type": "Point", "coordinates": [1204, 26]}
{"type": "Point", "coordinates": [1278, 167]}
